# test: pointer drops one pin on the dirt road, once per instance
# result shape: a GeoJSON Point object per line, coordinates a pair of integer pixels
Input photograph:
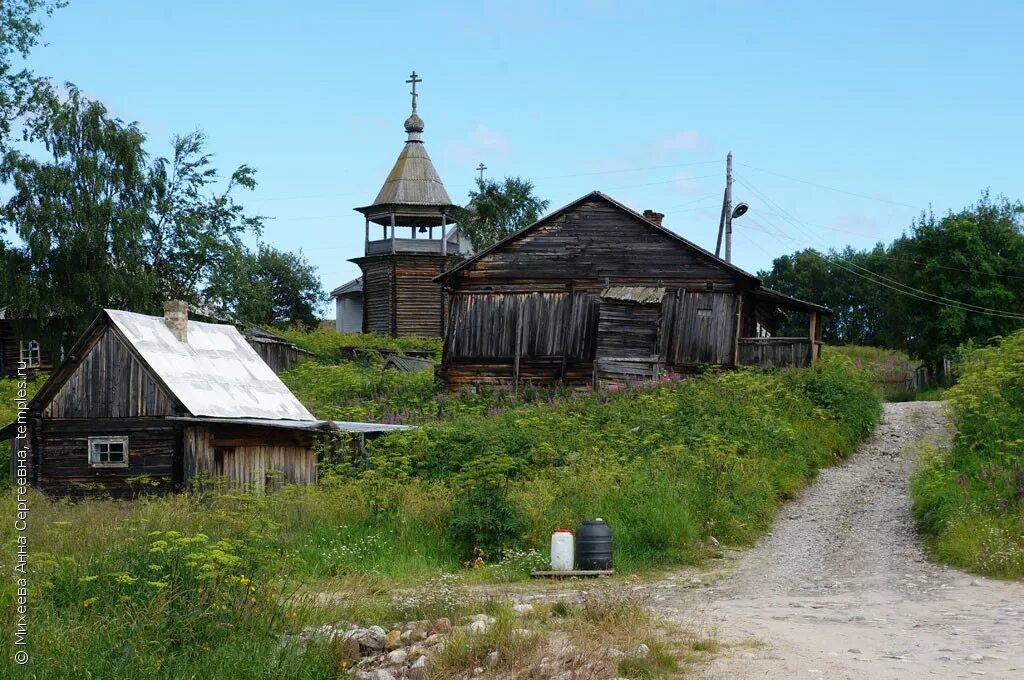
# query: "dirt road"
{"type": "Point", "coordinates": [841, 589]}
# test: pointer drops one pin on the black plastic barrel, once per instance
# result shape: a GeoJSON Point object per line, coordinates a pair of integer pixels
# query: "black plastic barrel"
{"type": "Point", "coordinates": [594, 545]}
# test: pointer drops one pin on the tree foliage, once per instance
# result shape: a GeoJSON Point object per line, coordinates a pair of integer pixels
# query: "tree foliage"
{"type": "Point", "coordinates": [100, 223]}
{"type": "Point", "coordinates": [268, 287]}
{"type": "Point", "coordinates": [497, 209]}
{"type": "Point", "coordinates": [974, 256]}
{"type": "Point", "coordinates": [20, 27]}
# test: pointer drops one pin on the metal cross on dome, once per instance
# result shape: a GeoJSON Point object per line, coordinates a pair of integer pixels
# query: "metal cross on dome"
{"type": "Point", "coordinates": [413, 79]}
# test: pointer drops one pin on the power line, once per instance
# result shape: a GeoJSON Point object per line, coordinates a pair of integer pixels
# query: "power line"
{"type": "Point", "coordinates": [825, 186]}
{"type": "Point", "coordinates": [884, 281]}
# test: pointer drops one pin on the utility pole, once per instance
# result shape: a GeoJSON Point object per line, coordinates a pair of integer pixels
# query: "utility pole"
{"type": "Point", "coordinates": [725, 222]}
{"type": "Point", "coordinates": [728, 207]}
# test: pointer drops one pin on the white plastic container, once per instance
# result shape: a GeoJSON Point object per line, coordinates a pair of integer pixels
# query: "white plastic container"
{"type": "Point", "coordinates": [562, 550]}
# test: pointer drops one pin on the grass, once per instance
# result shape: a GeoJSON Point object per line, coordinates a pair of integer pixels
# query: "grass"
{"type": "Point", "coordinates": [969, 501]}
{"type": "Point", "coordinates": [194, 585]}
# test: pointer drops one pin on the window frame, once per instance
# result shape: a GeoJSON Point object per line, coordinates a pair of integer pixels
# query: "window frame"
{"type": "Point", "coordinates": [94, 461]}
{"type": "Point", "coordinates": [26, 350]}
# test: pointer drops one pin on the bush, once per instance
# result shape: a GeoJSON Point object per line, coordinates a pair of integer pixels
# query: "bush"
{"type": "Point", "coordinates": [969, 501]}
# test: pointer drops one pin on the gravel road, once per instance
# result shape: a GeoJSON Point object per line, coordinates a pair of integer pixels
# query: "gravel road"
{"type": "Point", "coordinates": [841, 588]}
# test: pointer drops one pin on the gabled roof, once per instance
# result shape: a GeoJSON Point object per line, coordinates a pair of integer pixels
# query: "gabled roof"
{"type": "Point", "coordinates": [353, 286]}
{"type": "Point", "coordinates": [759, 289]}
{"type": "Point", "coordinates": [592, 195]}
{"type": "Point", "coordinates": [216, 373]}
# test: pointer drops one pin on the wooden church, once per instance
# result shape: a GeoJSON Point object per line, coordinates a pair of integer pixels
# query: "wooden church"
{"type": "Point", "coordinates": [412, 218]}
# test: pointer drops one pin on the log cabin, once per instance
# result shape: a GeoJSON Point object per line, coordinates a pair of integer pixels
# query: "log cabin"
{"type": "Point", "coordinates": [144, 403]}
{"type": "Point", "coordinates": [596, 292]}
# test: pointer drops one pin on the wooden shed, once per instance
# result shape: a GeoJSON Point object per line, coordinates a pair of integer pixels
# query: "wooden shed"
{"type": "Point", "coordinates": [596, 292]}
{"type": "Point", "coordinates": [144, 402]}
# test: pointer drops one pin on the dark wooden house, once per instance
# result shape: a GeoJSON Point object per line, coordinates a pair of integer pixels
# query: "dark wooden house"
{"type": "Point", "coordinates": [417, 242]}
{"type": "Point", "coordinates": [597, 292]}
{"type": "Point", "coordinates": [167, 399]}
{"type": "Point", "coordinates": [18, 352]}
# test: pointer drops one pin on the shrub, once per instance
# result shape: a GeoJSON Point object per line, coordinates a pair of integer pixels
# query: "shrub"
{"type": "Point", "coordinates": [969, 501]}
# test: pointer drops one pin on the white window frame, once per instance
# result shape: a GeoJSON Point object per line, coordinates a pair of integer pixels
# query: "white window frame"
{"type": "Point", "coordinates": [30, 353]}
{"type": "Point", "coordinates": [94, 455]}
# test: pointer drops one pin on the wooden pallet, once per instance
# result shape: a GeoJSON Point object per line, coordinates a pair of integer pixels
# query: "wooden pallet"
{"type": "Point", "coordinates": [575, 573]}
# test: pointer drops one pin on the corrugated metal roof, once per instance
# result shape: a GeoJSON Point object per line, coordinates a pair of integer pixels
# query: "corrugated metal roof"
{"type": "Point", "coordinates": [216, 373]}
{"type": "Point", "coordinates": [642, 294]}
{"type": "Point", "coordinates": [413, 180]}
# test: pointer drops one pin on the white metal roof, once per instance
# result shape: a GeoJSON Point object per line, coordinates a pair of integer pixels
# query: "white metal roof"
{"type": "Point", "coordinates": [216, 373]}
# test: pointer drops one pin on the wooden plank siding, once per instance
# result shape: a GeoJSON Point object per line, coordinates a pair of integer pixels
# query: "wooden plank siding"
{"type": "Point", "coordinates": [699, 328]}
{"type": "Point", "coordinates": [260, 459]}
{"type": "Point", "coordinates": [777, 352]}
{"type": "Point", "coordinates": [110, 382]}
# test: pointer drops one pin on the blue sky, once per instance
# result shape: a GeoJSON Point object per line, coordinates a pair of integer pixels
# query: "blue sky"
{"type": "Point", "coordinates": [845, 119]}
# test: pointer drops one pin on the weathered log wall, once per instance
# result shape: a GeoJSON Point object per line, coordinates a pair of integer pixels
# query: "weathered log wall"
{"type": "Point", "coordinates": [400, 296]}
{"type": "Point", "coordinates": [64, 468]}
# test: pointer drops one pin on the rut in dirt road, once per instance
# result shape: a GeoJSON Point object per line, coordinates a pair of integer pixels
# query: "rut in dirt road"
{"type": "Point", "coordinates": [841, 587]}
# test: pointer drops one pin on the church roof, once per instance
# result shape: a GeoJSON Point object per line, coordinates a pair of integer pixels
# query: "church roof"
{"type": "Point", "coordinates": [413, 180]}
{"type": "Point", "coordinates": [413, 190]}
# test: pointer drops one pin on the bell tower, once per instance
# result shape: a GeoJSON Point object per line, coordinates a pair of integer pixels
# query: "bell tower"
{"type": "Point", "coordinates": [413, 218]}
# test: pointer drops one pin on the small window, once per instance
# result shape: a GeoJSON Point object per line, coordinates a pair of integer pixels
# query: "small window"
{"type": "Point", "coordinates": [30, 353]}
{"type": "Point", "coordinates": [108, 451]}
{"type": "Point", "coordinates": [704, 313]}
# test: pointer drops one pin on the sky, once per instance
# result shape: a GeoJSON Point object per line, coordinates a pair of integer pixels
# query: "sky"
{"type": "Point", "coordinates": [846, 120]}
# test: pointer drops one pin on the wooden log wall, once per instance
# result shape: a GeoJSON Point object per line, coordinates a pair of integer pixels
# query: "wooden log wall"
{"type": "Point", "coordinates": [110, 382]}
{"type": "Point", "coordinates": [594, 241]}
{"type": "Point", "coordinates": [400, 297]}
{"type": "Point", "coordinates": [628, 338]}
{"type": "Point", "coordinates": [419, 301]}
{"type": "Point", "coordinates": [377, 279]}
{"type": "Point", "coordinates": [65, 469]}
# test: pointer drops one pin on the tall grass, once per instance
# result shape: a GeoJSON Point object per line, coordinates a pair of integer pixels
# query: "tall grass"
{"type": "Point", "coordinates": [970, 501]}
{"type": "Point", "coordinates": [201, 585]}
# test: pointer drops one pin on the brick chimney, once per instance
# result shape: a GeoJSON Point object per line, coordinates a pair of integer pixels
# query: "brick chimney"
{"type": "Point", "coordinates": [655, 217]}
{"type": "Point", "coordinates": [176, 318]}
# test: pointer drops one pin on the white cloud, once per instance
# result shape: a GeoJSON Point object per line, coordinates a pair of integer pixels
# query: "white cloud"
{"type": "Point", "coordinates": [483, 144]}
{"type": "Point", "coordinates": [489, 141]}
{"type": "Point", "coordinates": [687, 140]}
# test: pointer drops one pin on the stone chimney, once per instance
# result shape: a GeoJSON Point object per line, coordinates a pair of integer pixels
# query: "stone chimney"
{"type": "Point", "coordinates": [176, 318]}
{"type": "Point", "coordinates": [655, 217]}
